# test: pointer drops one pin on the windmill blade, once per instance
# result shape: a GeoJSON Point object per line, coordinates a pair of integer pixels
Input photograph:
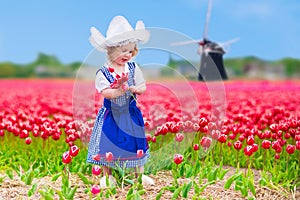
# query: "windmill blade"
{"type": "Point", "coordinates": [205, 33]}
{"type": "Point", "coordinates": [185, 42]}
{"type": "Point", "coordinates": [226, 45]}
{"type": "Point", "coordinates": [229, 42]}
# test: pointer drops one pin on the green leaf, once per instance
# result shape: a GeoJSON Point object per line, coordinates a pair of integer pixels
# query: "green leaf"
{"type": "Point", "coordinates": [72, 193]}
{"type": "Point", "coordinates": [231, 179]}
{"type": "Point", "coordinates": [222, 173]}
{"type": "Point", "coordinates": [201, 189]}
{"type": "Point", "coordinates": [29, 177]}
{"type": "Point", "coordinates": [9, 173]}
{"type": "Point", "coordinates": [251, 187]}
{"type": "Point", "coordinates": [84, 179]}
{"type": "Point", "coordinates": [159, 194]}
{"type": "Point", "coordinates": [131, 182]}
{"type": "Point", "coordinates": [32, 190]}
{"type": "Point", "coordinates": [60, 194]}
{"type": "Point", "coordinates": [129, 193]}
{"type": "Point", "coordinates": [56, 176]}
{"type": "Point", "coordinates": [263, 181]}
{"type": "Point", "coordinates": [197, 168]}
{"type": "Point", "coordinates": [196, 188]}
{"type": "Point", "coordinates": [46, 195]}
{"type": "Point", "coordinates": [176, 193]}
{"type": "Point", "coordinates": [137, 196]}
{"type": "Point", "coordinates": [141, 192]}
{"type": "Point", "coordinates": [212, 176]}
{"type": "Point", "coordinates": [140, 179]}
{"type": "Point", "coordinates": [181, 170]}
{"type": "Point", "coordinates": [2, 179]}
{"type": "Point", "coordinates": [186, 188]}
{"type": "Point", "coordinates": [189, 171]}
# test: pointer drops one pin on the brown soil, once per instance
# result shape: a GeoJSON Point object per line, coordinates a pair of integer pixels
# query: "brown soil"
{"type": "Point", "coordinates": [16, 189]}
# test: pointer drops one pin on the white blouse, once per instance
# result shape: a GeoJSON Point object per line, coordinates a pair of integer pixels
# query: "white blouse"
{"type": "Point", "coordinates": [102, 83]}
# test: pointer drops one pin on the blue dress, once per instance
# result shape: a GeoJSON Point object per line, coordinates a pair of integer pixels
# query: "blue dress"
{"type": "Point", "coordinates": [119, 129]}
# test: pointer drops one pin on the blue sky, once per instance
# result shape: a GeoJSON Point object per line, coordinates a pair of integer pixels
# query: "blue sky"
{"type": "Point", "coordinates": [268, 29]}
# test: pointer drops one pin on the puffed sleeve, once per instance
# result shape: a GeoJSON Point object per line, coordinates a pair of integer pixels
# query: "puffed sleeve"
{"type": "Point", "coordinates": [101, 82]}
{"type": "Point", "coordinates": [138, 75]}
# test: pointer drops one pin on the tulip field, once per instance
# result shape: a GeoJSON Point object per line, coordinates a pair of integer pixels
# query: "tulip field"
{"type": "Point", "coordinates": [232, 140]}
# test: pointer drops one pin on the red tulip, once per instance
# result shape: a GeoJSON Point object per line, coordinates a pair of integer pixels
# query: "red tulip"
{"type": "Point", "coordinates": [278, 150]}
{"type": "Point", "coordinates": [35, 132]}
{"type": "Point", "coordinates": [222, 138]}
{"type": "Point", "coordinates": [96, 170]}
{"type": "Point", "coordinates": [148, 137]}
{"type": "Point", "coordinates": [215, 134]}
{"type": "Point", "coordinates": [238, 145]}
{"type": "Point", "coordinates": [108, 156]}
{"type": "Point", "coordinates": [28, 140]}
{"type": "Point", "coordinates": [96, 157]}
{"type": "Point", "coordinates": [111, 69]}
{"type": "Point", "coordinates": [153, 139]}
{"type": "Point", "coordinates": [255, 147]}
{"type": "Point", "coordinates": [250, 140]}
{"type": "Point", "coordinates": [290, 149]}
{"type": "Point", "coordinates": [55, 136]}
{"type": "Point", "coordinates": [178, 158]}
{"type": "Point", "coordinates": [266, 144]}
{"type": "Point", "coordinates": [95, 189]}
{"type": "Point", "coordinates": [274, 127]}
{"type": "Point", "coordinates": [24, 134]}
{"type": "Point", "coordinates": [267, 134]}
{"type": "Point", "coordinates": [66, 157]}
{"type": "Point", "coordinates": [1, 132]}
{"type": "Point", "coordinates": [204, 129]}
{"type": "Point", "coordinates": [202, 122]}
{"type": "Point", "coordinates": [232, 136]}
{"type": "Point", "coordinates": [206, 142]}
{"type": "Point", "coordinates": [196, 147]}
{"type": "Point", "coordinates": [229, 144]}
{"type": "Point", "coordinates": [287, 135]}
{"type": "Point", "coordinates": [248, 150]}
{"type": "Point", "coordinates": [279, 134]}
{"type": "Point", "coordinates": [140, 153]}
{"type": "Point", "coordinates": [277, 156]}
{"type": "Point", "coordinates": [276, 145]}
{"type": "Point", "coordinates": [298, 145]}
{"type": "Point", "coordinates": [179, 137]}
{"type": "Point", "coordinates": [74, 150]}
{"type": "Point", "coordinates": [293, 123]}
{"type": "Point", "coordinates": [242, 137]}
{"type": "Point", "coordinates": [196, 127]}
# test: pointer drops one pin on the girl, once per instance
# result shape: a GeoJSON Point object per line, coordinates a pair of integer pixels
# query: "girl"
{"type": "Point", "coordinates": [118, 137]}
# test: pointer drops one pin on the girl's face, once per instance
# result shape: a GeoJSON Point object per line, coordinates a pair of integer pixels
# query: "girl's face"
{"type": "Point", "coordinates": [121, 55]}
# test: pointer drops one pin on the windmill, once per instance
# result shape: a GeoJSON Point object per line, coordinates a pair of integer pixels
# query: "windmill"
{"type": "Point", "coordinates": [211, 54]}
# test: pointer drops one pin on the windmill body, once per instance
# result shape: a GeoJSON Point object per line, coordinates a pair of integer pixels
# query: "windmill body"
{"type": "Point", "coordinates": [211, 63]}
{"type": "Point", "coordinates": [211, 53]}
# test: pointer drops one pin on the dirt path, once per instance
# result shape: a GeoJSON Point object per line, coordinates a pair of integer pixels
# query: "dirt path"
{"type": "Point", "coordinates": [16, 189]}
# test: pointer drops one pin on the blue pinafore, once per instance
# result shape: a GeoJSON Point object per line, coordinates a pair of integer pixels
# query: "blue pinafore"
{"type": "Point", "coordinates": [119, 129]}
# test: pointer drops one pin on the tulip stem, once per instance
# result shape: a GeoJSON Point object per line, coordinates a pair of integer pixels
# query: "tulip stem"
{"type": "Point", "coordinates": [275, 162]}
{"type": "Point", "coordinates": [221, 150]}
{"type": "Point", "coordinates": [265, 158]}
{"type": "Point", "coordinates": [134, 98]}
{"type": "Point", "coordinates": [287, 163]}
{"type": "Point", "coordinates": [237, 160]}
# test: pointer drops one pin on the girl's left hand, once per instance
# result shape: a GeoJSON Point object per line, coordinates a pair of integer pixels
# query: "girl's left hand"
{"type": "Point", "coordinates": [124, 87]}
{"type": "Point", "coordinates": [133, 89]}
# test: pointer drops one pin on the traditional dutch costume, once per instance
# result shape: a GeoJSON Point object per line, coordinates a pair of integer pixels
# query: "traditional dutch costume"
{"type": "Point", "coordinates": [119, 125]}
